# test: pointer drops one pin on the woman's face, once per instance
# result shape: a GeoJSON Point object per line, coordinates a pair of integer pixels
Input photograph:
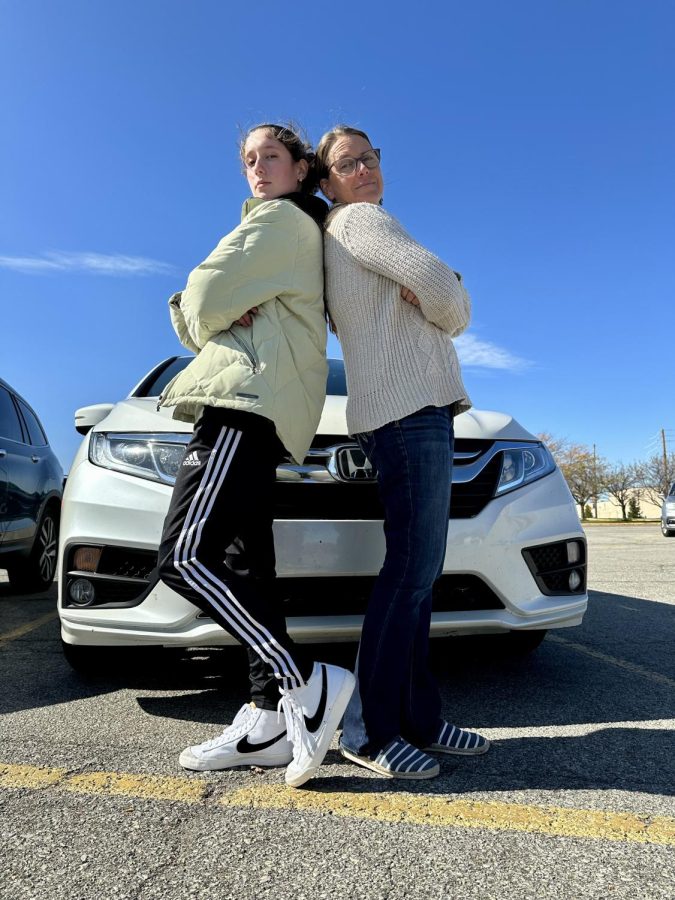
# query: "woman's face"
{"type": "Point", "coordinates": [363, 185]}
{"type": "Point", "coordinates": [271, 171]}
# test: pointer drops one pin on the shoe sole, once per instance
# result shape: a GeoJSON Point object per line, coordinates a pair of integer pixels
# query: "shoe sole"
{"type": "Point", "coordinates": [440, 748]}
{"type": "Point", "coordinates": [188, 761]}
{"type": "Point", "coordinates": [330, 727]}
{"type": "Point", "coordinates": [387, 773]}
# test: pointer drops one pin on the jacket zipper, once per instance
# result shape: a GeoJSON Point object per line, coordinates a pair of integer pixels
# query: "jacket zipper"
{"type": "Point", "coordinates": [249, 354]}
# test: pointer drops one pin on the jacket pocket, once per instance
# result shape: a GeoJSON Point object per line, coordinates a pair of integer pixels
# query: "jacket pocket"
{"type": "Point", "coordinates": [248, 352]}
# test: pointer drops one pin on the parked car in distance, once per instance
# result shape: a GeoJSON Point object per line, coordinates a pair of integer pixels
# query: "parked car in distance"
{"type": "Point", "coordinates": [31, 485]}
{"type": "Point", "coordinates": [515, 564]}
{"type": "Point", "coordinates": [668, 513]}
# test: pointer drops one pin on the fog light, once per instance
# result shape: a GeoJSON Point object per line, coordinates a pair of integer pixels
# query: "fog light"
{"type": "Point", "coordinates": [81, 592]}
{"type": "Point", "coordinates": [574, 580]}
{"type": "Point", "coordinates": [573, 552]}
{"type": "Point", "coordinates": [86, 559]}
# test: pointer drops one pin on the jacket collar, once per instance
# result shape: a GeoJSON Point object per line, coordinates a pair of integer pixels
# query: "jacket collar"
{"type": "Point", "coordinates": [315, 207]}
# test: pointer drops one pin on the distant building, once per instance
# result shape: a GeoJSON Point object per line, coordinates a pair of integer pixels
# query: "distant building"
{"type": "Point", "coordinates": [610, 509]}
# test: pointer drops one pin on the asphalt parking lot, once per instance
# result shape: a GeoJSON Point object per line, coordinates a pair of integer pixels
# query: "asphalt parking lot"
{"type": "Point", "coordinates": [575, 798]}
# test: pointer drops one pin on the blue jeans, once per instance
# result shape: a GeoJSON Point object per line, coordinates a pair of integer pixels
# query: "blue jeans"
{"type": "Point", "coordinates": [396, 692]}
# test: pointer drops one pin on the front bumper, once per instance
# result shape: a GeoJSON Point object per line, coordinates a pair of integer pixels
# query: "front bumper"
{"type": "Point", "coordinates": [129, 512]}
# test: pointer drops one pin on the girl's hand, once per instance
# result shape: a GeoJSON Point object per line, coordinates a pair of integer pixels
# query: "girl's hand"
{"type": "Point", "coordinates": [409, 297]}
{"type": "Point", "coordinates": [247, 319]}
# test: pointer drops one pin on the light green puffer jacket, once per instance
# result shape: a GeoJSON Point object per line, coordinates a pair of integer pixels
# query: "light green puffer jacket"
{"type": "Point", "coordinates": [277, 367]}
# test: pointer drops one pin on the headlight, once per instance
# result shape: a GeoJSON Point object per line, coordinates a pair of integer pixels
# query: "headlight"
{"type": "Point", "coordinates": [154, 456]}
{"type": "Point", "coordinates": [523, 464]}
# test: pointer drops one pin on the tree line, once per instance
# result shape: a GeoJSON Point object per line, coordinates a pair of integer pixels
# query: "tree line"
{"type": "Point", "coordinates": [590, 476]}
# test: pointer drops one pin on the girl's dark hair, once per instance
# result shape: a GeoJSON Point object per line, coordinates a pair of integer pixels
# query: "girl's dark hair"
{"type": "Point", "coordinates": [297, 146]}
{"type": "Point", "coordinates": [325, 145]}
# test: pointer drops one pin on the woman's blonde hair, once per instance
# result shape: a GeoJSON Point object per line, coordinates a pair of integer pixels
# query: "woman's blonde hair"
{"type": "Point", "coordinates": [325, 145]}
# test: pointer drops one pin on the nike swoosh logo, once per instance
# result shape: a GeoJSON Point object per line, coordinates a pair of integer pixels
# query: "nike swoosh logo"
{"type": "Point", "coordinates": [244, 745]}
{"type": "Point", "coordinates": [313, 722]}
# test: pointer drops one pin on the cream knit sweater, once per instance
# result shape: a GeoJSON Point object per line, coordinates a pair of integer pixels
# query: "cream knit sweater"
{"type": "Point", "coordinates": [399, 358]}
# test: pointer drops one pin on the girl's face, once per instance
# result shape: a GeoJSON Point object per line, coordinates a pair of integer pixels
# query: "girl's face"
{"type": "Point", "coordinates": [364, 185]}
{"type": "Point", "coordinates": [271, 171]}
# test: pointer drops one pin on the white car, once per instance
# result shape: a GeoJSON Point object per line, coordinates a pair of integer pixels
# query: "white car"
{"type": "Point", "coordinates": [515, 563]}
{"type": "Point", "coordinates": [668, 513]}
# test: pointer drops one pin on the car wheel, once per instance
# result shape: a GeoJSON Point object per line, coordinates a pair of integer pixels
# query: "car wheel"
{"type": "Point", "coordinates": [36, 574]}
{"type": "Point", "coordinates": [92, 660]}
{"type": "Point", "coordinates": [519, 643]}
{"type": "Point", "coordinates": [667, 532]}
{"type": "Point", "coordinates": [116, 661]}
{"type": "Point", "coordinates": [457, 651]}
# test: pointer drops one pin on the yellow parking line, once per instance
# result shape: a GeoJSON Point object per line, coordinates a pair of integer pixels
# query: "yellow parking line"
{"type": "Point", "coordinates": [107, 784]}
{"type": "Point", "coordinates": [31, 777]}
{"type": "Point", "coordinates": [408, 809]}
{"type": "Point", "coordinates": [419, 810]}
{"type": "Point", "coordinates": [613, 660]}
{"type": "Point", "coordinates": [143, 787]}
{"type": "Point", "coordinates": [29, 626]}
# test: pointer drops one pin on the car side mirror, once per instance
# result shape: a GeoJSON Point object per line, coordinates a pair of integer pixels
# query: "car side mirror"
{"type": "Point", "coordinates": [88, 416]}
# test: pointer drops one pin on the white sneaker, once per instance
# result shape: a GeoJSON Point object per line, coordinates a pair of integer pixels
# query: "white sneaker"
{"type": "Point", "coordinates": [257, 737]}
{"type": "Point", "coordinates": [313, 713]}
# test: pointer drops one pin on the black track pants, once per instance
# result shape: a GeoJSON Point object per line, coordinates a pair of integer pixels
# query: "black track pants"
{"type": "Point", "coordinates": [223, 493]}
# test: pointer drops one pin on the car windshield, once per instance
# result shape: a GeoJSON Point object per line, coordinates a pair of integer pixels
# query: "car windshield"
{"type": "Point", "coordinates": [337, 384]}
{"type": "Point", "coordinates": [161, 375]}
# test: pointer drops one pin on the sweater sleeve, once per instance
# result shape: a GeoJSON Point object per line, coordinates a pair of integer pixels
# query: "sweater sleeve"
{"type": "Point", "coordinates": [251, 265]}
{"type": "Point", "coordinates": [378, 241]}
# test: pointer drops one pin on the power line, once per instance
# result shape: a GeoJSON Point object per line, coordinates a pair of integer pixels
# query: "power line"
{"type": "Point", "coordinates": [661, 439]}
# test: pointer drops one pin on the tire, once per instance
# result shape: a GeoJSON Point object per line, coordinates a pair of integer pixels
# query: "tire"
{"type": "Point", "coordinates": [517, 643]}
{"type": "Point", "coordinates": [117, 661]}
{"type": "Point", "coordinates": [667, 532]}
{"type": "Point", "coordinates": [524, 641]}
{"type": "Point", "coordinates": [89, 660]}
{"type": "Point", "coordinates": [36, 574]}
{"type": "Point", "coordinates": [456, 651]}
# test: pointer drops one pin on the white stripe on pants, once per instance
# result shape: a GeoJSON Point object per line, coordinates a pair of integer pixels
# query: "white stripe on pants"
{"type": "Point", "coordinates": [201, 579]}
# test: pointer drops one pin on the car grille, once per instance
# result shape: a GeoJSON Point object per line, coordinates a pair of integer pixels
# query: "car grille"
{"type": "Point", "coordinates": [122, 576]}
{"type": "Point", "coordinates": [126, 563]}
{"type": "Point", "coordinates": [360, 500]}
{"type": "Point", "coordinates": [551, 568]}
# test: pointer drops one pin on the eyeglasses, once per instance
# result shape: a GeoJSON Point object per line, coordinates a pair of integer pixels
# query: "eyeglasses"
{"type": "Point", "coordinates": [346, 165]}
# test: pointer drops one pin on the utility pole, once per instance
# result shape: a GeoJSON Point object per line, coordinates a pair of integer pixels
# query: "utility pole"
{"type": "Point", "coordinates": [595, 483]}
{"type": "Point", "coordinates": [665, 462]}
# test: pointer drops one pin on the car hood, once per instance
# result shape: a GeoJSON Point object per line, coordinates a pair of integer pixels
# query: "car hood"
{"type": "Point", "coordinates": [476, 423]}
{"type": "Point", "coordinates": [140, 414]}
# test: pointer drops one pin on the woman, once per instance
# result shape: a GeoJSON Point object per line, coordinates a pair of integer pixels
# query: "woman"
{"type": "Point", "coordinates": [253, 313]}
{"type": "Point", "coordinates": [396, 308]}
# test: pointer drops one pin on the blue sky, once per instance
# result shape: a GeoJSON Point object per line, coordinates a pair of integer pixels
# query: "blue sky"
{"type": "Point", "coordinates": [531, 145]}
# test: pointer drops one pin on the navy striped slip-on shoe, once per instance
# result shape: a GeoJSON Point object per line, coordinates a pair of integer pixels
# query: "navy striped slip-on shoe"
{"type": "Point", "coordinates": [398, 759]}
{"type": "Point", "coordinates": [452, 739]}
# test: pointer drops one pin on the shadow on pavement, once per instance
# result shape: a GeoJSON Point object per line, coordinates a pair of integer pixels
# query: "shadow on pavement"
{"type": "Point", "coordinates": [482, 688]}
{"type": "Point", "coordinates": [623, 759]}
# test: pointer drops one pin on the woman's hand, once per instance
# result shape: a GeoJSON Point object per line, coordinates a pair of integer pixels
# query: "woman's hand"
{"type": "Point", "coordinates": [409, 297]}
{"type": "Point", "coordinates": [247, 319]}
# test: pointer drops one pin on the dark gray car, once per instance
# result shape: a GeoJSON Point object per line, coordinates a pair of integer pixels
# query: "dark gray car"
{"type": "Point", "coordinates": [31, 486]}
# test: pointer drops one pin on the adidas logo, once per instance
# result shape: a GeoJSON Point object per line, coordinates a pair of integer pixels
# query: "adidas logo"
{"type": "Point", "coordinates": [191, 459]}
